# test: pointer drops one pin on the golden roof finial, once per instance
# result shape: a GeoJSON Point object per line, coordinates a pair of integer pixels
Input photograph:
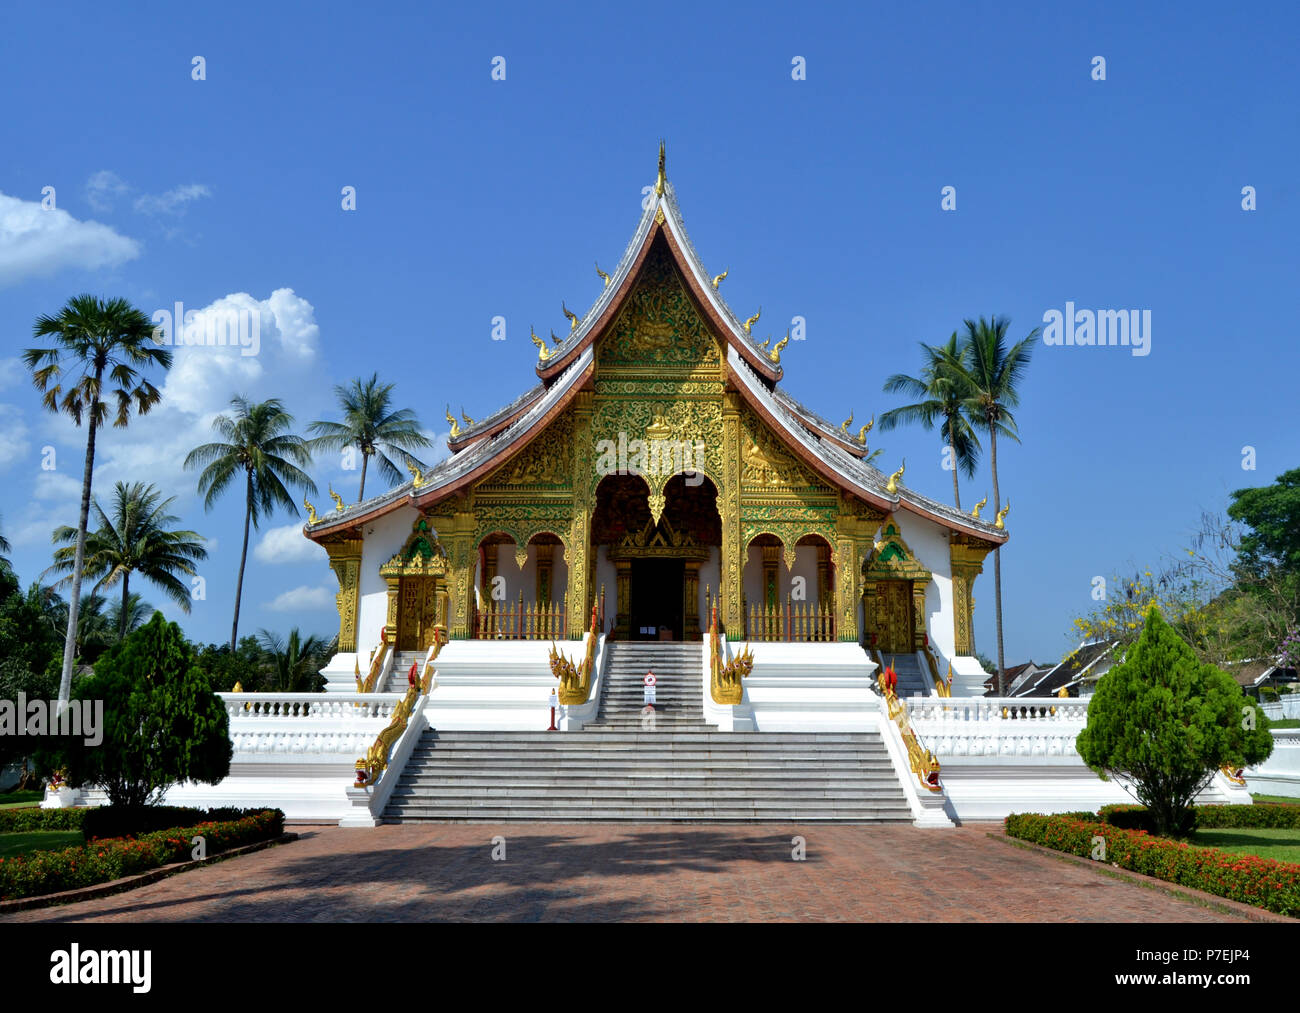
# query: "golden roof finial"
{"type": "Point", "coordinates": [775, 353]}
{"type": "Point", "coordinates": [338, 500]}
{"type": "Point", "coordinates": [718, 279]}
{"type": "Point", "coordinates": [311, 512]}
{"type": "Point", "coordinates": [978, 507]}
{"type": "Point", "coordinates": [573, 317]}
{"type": "Point", "coordinates": [891, 486]}
{"type": "Point", "coordinates": [663, 175]}
{"type": "Point", "coordinates": [764, 345]}
{"type": "Point", "coordinates": [753, 320]}
{"type": "Point", "coordinates": [558, 341]}
{"type": "Point", "coordinates": [603, 276]}
{"type": "Point", "coordinates": [468, 421]}
{"type": "Point", "coordinates": [455, 426]}
{"type": "Point", "coordinates": [844, 426]}
{"type": "Point", "coordinates": [862, 433]}
{"type": "Point", "coordinates": [1002, 516]}
{"type": "Point", "coordinates": [543, 353]}
{"type": "Point", "coordinates": [417, 477]}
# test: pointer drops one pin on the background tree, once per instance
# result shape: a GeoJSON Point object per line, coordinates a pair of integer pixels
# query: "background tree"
{"type": "Point", "coordinates": [128, 616]}
{"type": "Point", "coordinates": [942, 396]}
{"type": "Point", "coordinates": [93, 341]}
{"type": "Point", "coordinates": [374, 427]}
{"type": "Point", "coordinates": [992, 384]}
{"type": "Point", "coordinates": [1162, 722]}
{"type": "Point", "coordinates": [163, 724]}
{"type": "Point", "coordinates": [294, 663]}
{"type": "Point", "coordinates": [135, 539]}
{"type": "Point", "coordinates": [258, 443]}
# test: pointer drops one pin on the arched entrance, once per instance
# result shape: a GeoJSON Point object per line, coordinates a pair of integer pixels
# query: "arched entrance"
{"type": "Point", "coordinates": [893, 594]}
{"type": "Point", "coordinates": [417, 592]}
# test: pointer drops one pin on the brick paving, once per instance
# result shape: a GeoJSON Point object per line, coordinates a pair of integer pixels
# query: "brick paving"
{"type": "Point", "coordinates": [554, 872]}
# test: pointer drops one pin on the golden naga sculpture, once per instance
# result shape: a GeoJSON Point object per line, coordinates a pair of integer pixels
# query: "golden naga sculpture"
{"type": "Point", "coordinates": [603, 276]}
{"type": "Point", "coordinates": [573, 317]}
{"type": "Point", "coordinates": [718, 279]}
{"type": "Point", "coordinates": [764, 345]}
{"type": "Point", "coordinates": [575, 681]}
{"type": "Point", "coordinates": [978, 507]}
{"type": "Point", "coordinates": [753, 320]}
{"type": "Point", "coordinates": [725, 684]}
{"type": "Point", "coordinates": [891, 486]}
{"type": "Point", "coordinates": [1002, 516]}
{"type": "Point", "coordinates": [663, 175]}
{"type": "Point", "coordinates": [311, 512]}
{"type": "Point", "coordinates": [372, 766]}
{"type": "Point", "coordinates": [455, 426]}
{"type": "Point", "coordinates": [923, 763]}
{"type": "Point", "coordinates": [775, 353]}
{"type": "Point", "coordinates": [468, 421]}
{"type": "Point", "coordinates": [417, 476]}
{"type": "Point", "coordinates": [338, 500]}
{"type": "Point", "coordinates": [844, 426]}
{"type": "Point", "coordinates": [543, 353]}
{"type": "Point", "coordinates": [862, 433]}
{"type": "Point", "coordinates": [555, 340]}
{"type": "Point", "coordinates": [376, 666]}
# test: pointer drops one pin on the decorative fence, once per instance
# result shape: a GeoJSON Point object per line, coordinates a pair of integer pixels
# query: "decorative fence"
{"type": "Point", "coordinates": [520, 620]}
{"type": "Point", "coordinates": [996, 726]}
{"type": "Point", "coordinates": [790, 621]}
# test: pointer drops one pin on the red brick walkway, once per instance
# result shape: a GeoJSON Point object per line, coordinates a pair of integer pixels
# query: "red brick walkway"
{"type": "Point", "coordinates": [420, 872]}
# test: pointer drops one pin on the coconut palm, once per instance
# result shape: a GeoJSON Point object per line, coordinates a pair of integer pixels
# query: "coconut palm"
{"type": "Point", "coordinates": [93, 367]}
{"type": "Point", "coordinates": [135, 539]}
{"type": "Point", "coordinates": [257, 442]}
{"type": "Point", "coordinates": [992, 380]}
{"type": "Point", "coordinates": [375, 428]}
{"type": "Point", "coordinates": [129, 615]}
{"type": "Point", "coordinates": [5, 547]}
{"type": "Point", "coordinates": [941, 401]}
{"type": "Point", "coordinates": [294, 662]}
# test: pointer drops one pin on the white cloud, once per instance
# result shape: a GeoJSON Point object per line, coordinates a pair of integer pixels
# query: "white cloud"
{"type": "Point", "coordinates": [12, 372]}
{"type": "Point", "coordinates": [55, 485]}
{"type": "Point", "coordinates": [14, 444]}
{"type": "Point", "coordinates": [303, 598]}
{"type": "Point", "coordinates": [172, 202]}
{"type": "Point", "coordinates": [103, 189]}
{"type": "Point", "coordinates": [288, 545]}
{"type": "Point", "coordinates": [37, 242]}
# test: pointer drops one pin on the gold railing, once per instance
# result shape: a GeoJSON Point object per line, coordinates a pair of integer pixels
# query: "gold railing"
{"type": "Point", "coordinates": [793, 621]}
{"type": "Point", "coordinates": [376, 666]}
{"type": "Point", "coordinates": [519, 620]}
{"type": "Point", "coordinates": [941, 687]}
{"type": "Point", "coordinates": [375, 762]}
{"type": "Point", "coordinates": [575, 681]}
{"type": "Point", "coordinates": [725, 680]}
{"type": "Point", "coordinates": [923, 763]}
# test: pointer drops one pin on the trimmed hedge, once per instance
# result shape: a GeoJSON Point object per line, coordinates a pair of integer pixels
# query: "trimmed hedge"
{"type": "Point", "coordinates": [131, 821]}
{"type": "Point", "coordinates": [14, 821]}
{"type": "Point", "coordinates": [100, 861]}
{"type": "Point", "coordinates": [1261, 816]}
{"type": "Point", "coordinates": [1263, 882]}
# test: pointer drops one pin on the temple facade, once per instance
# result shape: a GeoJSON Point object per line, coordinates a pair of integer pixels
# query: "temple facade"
{"type": "Point", "coordinates": [657, 471]}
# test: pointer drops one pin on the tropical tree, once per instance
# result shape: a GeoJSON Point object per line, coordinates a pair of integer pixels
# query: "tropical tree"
{"type": "Point", "coordinates": [941, 400]}
{"type": "Point", "coordinates": [256, 440]}
{"type": "Point", "coordinates": [992, 387]}
{"type": "Point", "coordinates": [5, 547]}
{"type": "Point", "coordinates": [374, 427]}
{"type": "Point", "coordinates": [128, 616]}
{"type": "Point", "coordinates": [295, 663]}
{"type": "Point", "coordinates": [135, 539]}
{"type": "Point", "coordinates": [92, 367]}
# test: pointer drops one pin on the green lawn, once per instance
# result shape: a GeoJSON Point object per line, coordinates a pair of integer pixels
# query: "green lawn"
{"type": "Point", "coordinates": [1284, 722]}
{"type": "Point", "coordinates": [1283, 799]}
{"type": "Point", "coordinates": [38, 840]}
{"type": "Point", "coordinates": [18, 799]}
{"type": "Point", "coordinates": [1284, 845]}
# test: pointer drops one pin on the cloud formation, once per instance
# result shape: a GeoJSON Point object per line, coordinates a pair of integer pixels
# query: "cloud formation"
{"type": "Point", "coordinates": [37, 242]}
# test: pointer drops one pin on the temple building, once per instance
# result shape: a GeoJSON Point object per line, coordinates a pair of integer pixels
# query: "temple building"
{"type": "Point", "coordinates": [657, 470]}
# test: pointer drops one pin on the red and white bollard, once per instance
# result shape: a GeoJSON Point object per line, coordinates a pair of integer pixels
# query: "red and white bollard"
{"type": "Point", "coordinates": [649, 682]}
{"type": "Point", "coordinates": [555, 701]}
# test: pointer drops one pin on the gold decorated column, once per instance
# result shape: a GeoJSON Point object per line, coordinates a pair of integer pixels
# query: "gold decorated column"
{"type": "Point", "coordinates": [733, 560]}
{"type": "Point", "coordinates": [577, 550]}
{"type": "Point", "coordinates": [345, 561]}
{"type": "Point", "coordinates": [967, 556]}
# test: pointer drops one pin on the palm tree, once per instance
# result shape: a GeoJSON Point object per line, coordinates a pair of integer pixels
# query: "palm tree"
{"type": "Point", "coordinates": [95, 340]}
{"type": "Point", "coordinates": [941, 400]}
{"type": "Point", "coordinates": [371, 425]}
{"type": "Point", "coordinates": [135, 539]}
{"type": "Point", "coordinates": [5, 547]}
{"type": "Point", "coordinates": [129, 615]}
{"type": "Point", "coordinates": [257, 442]}
{"type": "Point", "coordinates": [992, 380]}
{"type": "Point", "coordinates": [294, 661]}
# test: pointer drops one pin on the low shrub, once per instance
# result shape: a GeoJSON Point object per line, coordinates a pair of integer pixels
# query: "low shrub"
{"type": "Point", "coordinates": [1207, 817]}
{"type": "Point", "coordinates": [131, 821]}
{"type": "Point", "coordinates": [101, 861]}
{"type": "Point", "coordinates": [1263, 882]}
{"type": "Point", "coordinates": [13, 821]}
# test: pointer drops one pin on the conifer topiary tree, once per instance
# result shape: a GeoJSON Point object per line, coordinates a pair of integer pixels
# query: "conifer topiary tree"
{"type": "Point", "coordinates": [1162, 723]}
{"type": "Point", "coordinates": [162, 725]}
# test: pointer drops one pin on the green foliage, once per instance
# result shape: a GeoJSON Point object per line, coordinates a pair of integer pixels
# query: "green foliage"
{"type": "Point", "coordinates": [17, 820]}
{"type": "Point", "coordinates": [1163, 722]}
{"type": "Point", "coordinates": [103, 822]}
{"type": "Point", "coordinates": [1273, 515]}
{"type": "Point", "coordinates": [1263, 882]}
{"type": "Point", "coordinates": [163, 723]}
{"type": "Point", "coordinates": [46, 872]}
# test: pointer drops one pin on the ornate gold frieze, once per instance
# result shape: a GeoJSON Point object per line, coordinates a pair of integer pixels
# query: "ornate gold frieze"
{"type": "Point", "coordinates": [658, 324]}
{"type": "Point", "coordinates": [345, 561]}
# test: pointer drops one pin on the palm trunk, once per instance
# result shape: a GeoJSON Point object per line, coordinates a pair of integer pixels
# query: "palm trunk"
{"type": "Point", "coordinates": [365, 460]}
{"type": "Point", "coordinates": [997, 563]}
{"type": "Point", "coordinates": [121, 625]}
{"type": "Point", "coordinates": [952, 445]}
{"type": "Point", "coordinates": [74, 598]}
{"type": "Point", "coordinates": [243, 557]}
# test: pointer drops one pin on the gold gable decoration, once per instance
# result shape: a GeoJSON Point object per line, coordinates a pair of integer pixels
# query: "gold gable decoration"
{"type": "Point", "coordinates": [421, 556]}
{"type": "Point", "coordinates": [659, 324]}
{"type": "Point", "coordinates": [891, 557]}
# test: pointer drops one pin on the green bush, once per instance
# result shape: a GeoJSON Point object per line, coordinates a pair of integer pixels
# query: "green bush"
{"type": "Point", "coordinates": [1205, 817]}
{"type": "Point", "coordinates": [131, 821]}
{"type": "Point", "coordinates": [1268, 693]}
{"type": "Point", "coordinates": [44, 872]}
{"type": "Point", "coordinates": [1263, 882]}
{"type": "Point", "coordinates": [13, 821]}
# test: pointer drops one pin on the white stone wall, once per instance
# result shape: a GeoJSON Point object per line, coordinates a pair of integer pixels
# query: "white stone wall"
{"type": "Point", "coordinates": [383, 537]}
{"type": "Point", "coordinates": [929, 542]}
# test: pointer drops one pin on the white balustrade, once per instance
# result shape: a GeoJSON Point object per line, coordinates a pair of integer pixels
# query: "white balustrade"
{"type": "Point", "coordinates": [246, 706]}
{"type": "Point", "coordinates": [996, 726]}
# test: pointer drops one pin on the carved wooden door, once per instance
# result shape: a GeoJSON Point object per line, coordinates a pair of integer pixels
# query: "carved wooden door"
{"type": "Point", "coordinates": [895, 616]}
{"type": "Point", "coordinates": [417, 613]}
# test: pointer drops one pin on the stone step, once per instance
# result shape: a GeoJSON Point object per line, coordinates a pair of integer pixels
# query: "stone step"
{"type": "Point", "coordinates": [641, 814]}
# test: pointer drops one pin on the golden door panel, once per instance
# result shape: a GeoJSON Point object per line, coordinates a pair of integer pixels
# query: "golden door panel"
{"type": "Point", "coordinates": [417, 613]}
{"type": "Point", "coordinates": [894, 618]}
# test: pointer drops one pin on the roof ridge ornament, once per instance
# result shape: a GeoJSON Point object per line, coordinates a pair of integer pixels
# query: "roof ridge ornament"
{"type": "Point", "coordinates": [979, 506]}
{"type": "Point", "coordinates": [543, 353]}
{"type": "Point", "coordinates": [862, 433]}
{"type": "Point", "coordinates": [663, 176]}
{"type": "Point", "coordinates": [1002, 516]}
{"type": "Point", "coordinates": [718, 279]}
{"type": "Point", "coordinates": [753, 320]}
{"type": "Point", "coordinates": [604, 277]}
{"type": "Point", "coordinates": [573, 317]}
{"type": "Point", "coordinates": [775, 354]}
{"type": "Point", "coordinates": [891, 486]}
{"type": "Point", "coordinates": [844, 426]}
{"type": "Point", "coordinates": [417, 476]}
{"type": "Point", "coordinates": [311, 512]}
{"type": "Point", "coordinates": [469, 422]}
{"type": "Point", "coordinates": [338, 500]}
{"type": "Point", "coordinates": [455, 426]}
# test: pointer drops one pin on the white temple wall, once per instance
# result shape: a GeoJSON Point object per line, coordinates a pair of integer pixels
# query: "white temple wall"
{"type": "Point", "coordinates": [929, 542]}
{"type": "Point", "coordinates": [383, 537]}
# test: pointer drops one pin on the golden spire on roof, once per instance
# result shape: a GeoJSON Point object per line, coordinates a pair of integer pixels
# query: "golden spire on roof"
{"type": "Point", "coordinates": [455, 426]}
{"type": "Point", "coordinates": [543, 353]}
{"type": "Point", "coordinates": [573, 317]}
{"type": "Point", "coordinates": [468, 421]}
{"type": "Point", "coordinates": [719, 278]}
{"type": "Point", "coordinates": [979, 506]}
{"type": "Point", "coordinates": [844, 426]}
{"type": "Point", "coordinates": [558, 341]}
{"type": "Point", "coordinates": [753, 320]}
{"type": "Point", "coordinates": [891, 486]}
{"type": "Point", "coordinates": [311, 512]}
{"type": "Point", "coordinates": [775, 353]}
{"type": "Point", "coordinates": [417, 476]}
{"type": "Point", "coordinates": [862, 433]}
{"type": "Point", "coordinates": [603, 276]}
{"type": "Point", "coordinates": [338, 500]}
{"type": "Point", "coordinates": [1002, 516]}
{"type": "Point", "coordinates": [663, 177]}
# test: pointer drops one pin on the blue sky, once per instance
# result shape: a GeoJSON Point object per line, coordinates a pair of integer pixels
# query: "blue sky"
{"type": "Point", "coordinates": [479, 198]}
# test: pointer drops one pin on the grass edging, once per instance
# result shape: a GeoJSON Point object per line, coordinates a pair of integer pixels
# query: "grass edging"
{"type": "Point", "coordinates": [134, 882]}
{"type": "Point", "coordinates": [1200, 898]}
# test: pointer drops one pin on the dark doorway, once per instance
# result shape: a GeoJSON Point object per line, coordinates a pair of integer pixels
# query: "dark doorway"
{"type": "Point", "coordinates": [657, 598]}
